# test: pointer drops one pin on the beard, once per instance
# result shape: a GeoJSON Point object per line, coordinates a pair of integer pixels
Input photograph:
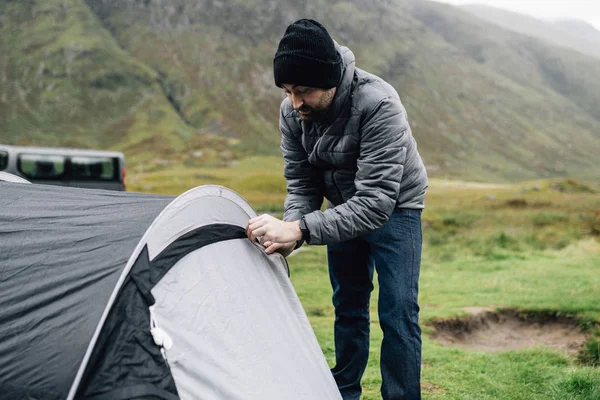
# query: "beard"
{"type": "Point", "coordinates": [319, 111]}
{"type": "Point", "coordinates": [308, 113]}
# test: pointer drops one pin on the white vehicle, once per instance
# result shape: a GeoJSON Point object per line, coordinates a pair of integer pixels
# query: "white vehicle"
{"type": "Point", "coordinates": [65, 167]}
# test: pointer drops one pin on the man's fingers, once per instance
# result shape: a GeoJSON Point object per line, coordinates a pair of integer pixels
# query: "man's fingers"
{"type": "Point", "coordinates": [266, 227]}
{"type": "Point", "coordinates": [273, 248]}
{"type": "Point", "coordinates": [253, 220]}
{"type": "Point", "coordinates": [259, 218]}
{"type": "Point", "coordinates": [251, 232]}
{"type": "Point", "coordinates": [257, 224]}
{"type": "Point", "coordinates": [260, 232]}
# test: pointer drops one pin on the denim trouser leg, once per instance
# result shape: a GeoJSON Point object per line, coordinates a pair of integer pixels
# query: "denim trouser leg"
{"type": "Point", "coordinates": [395, 249]}
{"type": "Point", "coordinates": [351, 275]}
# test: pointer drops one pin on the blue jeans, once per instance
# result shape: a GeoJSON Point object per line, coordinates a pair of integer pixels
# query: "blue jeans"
{"type": "Point", "coordinates": [395, 250]}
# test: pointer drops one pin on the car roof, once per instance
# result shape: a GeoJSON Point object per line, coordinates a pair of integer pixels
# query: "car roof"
{"type": "Point", "coordinates": [62, 151]}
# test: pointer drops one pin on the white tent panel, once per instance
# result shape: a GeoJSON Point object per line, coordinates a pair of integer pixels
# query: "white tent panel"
{"type": "Point", "coordinates": [204, 205]}
{"type": "Point", "coordinates": [6, 177]}
{"type": "Point", "coordinates": [238, 328]}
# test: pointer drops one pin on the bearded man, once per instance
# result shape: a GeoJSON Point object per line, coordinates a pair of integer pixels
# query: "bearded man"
{"type": "Point", "coordinates": [346, 138]}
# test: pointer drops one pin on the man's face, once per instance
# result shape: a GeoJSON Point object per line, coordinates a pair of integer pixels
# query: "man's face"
{"type": "Point", "coordinates": [311, 103]}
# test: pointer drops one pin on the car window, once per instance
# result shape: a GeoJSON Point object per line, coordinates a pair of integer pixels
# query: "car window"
{"type": "Point", "coordinates": [3, 160]}
{"type": "Point", "coordinates": [41, 166]}
{"type": "Point", "coordinates": [93, 168]}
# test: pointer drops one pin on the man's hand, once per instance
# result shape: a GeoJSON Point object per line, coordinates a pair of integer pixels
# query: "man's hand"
{"type": "Point", "coordinates": [273, 231]}
{"type": "Point", "coordinates": [285, 249]}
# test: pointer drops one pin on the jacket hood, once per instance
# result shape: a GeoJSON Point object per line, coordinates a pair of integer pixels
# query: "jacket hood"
{"type": "Point", "coordinates": [344, 89]}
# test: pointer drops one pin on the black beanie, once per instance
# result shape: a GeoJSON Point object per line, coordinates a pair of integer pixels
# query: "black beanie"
{"type": "Point", "coordinates": [307, 56]}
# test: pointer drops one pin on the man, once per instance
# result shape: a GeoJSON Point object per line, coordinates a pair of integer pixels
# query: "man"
{"type": "Point", "coordinates": [345, 137]}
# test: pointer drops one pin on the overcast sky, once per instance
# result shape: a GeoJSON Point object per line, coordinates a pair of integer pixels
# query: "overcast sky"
{"type": "Point", "coordinates": [587, 10]}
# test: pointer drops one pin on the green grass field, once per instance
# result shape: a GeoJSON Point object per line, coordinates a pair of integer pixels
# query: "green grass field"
{"type": "Point", "coordinates": [562, 281]}
{"type": "Point", "coordinates": [533, 246]}
{"type": "Point", "coordinates": [480, 252]}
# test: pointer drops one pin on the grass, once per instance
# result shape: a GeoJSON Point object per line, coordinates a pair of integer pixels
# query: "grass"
{"type": "Point", "coordinates": [481, 252]}
{"type": "Point", "coordinates": [533, 246]}
{"type": "Point", "coordinates": [563, 280]}
{"type": "Point", "coordinates": [258, 179]}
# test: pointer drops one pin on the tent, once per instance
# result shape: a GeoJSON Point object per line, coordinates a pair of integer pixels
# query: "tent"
{"type": "Point", "coordinates": [115, 295]}
{"type": "Point", "coordinates": [6, 177]}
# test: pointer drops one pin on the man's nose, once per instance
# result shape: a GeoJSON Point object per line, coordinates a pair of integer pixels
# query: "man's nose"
{"type": "Point", "coordinates": [297, 102]}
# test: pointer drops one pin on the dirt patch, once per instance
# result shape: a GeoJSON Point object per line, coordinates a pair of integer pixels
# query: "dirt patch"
{"type": "Point", "coordinates": [430, 388]}
{"type": "Point", "coordinates": [494, 331]}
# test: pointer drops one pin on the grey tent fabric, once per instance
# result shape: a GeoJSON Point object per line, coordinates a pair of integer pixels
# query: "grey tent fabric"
{"type": "Point", "coordinates": [237, 327]}
{"type": "Point", "coordinates": [112, 295]}
{"type": "Point", "coordinates": [62, 251]}
{"type": "Point", "coordinates": [252, 339]}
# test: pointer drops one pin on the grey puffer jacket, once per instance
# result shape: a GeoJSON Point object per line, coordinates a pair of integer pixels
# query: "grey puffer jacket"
{"type": "Point", "coordinates": [362, 158]}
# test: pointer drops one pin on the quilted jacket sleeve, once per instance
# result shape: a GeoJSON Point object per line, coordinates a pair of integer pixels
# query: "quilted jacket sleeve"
{"type": "Point", "coordinates": [383, 146]}
{"type": "Point", "coordinates": [304, 181]}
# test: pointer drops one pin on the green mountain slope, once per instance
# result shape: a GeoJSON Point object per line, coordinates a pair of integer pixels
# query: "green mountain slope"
{"type": "Point", "coordinates": [65, 81]}
{"type": "Point", "coordinates": [484, 103]}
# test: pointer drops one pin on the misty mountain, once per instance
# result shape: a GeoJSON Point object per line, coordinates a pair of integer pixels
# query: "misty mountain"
{"type": "Point", "coordinates": [580, 29]}
{"type": "Point", "coordinates": [568, 33]}
{"type": "Point", "coordinates": [164, 79]}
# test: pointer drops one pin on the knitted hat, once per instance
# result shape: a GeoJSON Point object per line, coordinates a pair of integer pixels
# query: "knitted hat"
{"type": "Point", "coordinates": [307, 56]}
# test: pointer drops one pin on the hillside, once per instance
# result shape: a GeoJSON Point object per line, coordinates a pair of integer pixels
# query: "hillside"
{"type": "Point", "coordinates": [568, 33]}
{"type": "Point", "coordinates": [65, 81]}
{"type": "Point", "coordinates": [164, 81]}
